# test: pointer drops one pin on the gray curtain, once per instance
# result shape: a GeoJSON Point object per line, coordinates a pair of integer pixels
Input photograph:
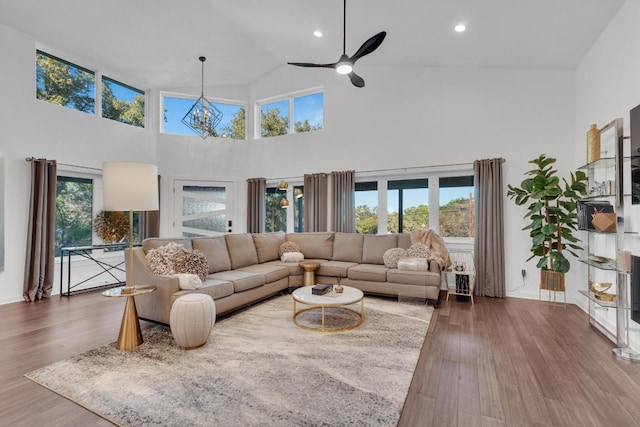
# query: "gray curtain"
{"type": "Point", "coordinates": [489, 227]}
{"type": "Point", "coordinates": [343, 190]}
{"type": "Point", "coordinates": [39, 265]}
{"type": "Point", "coordinates": [315, 202]}
{"type": "Point", "coordinates": [150, 221]}
{"type": "Point", "coordinates": [256, 187]}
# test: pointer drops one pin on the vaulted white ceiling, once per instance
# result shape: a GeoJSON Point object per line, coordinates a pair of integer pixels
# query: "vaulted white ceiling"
{"type": "Point", "coordinates": [157, 42]}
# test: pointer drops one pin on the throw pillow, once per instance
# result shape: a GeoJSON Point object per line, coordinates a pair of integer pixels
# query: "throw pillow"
{"type": "Point", "coordinates": [193, 262]}
{"type": "Point", "coordinates": [162, 260]}
{"type": "Point", "coordinates": [292, 257]}
{"type": "Point", "coordinates": [189, 281]}
{"type": "Point", "coordinates": [418, 250]}
{"type": "Point", "coordinates": [288, 246]}
{"type": "Point", "coordinates": [413, 264]}
{"type": "Point", "coordinates": [391, 257]}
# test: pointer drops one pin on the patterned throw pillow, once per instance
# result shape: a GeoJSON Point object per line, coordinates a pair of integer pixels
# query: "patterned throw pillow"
{"type": "Point", "coordinates": [288, 247]}
{"type": "Point", "coordinates": [193, 262]}
{"type": "Point", "coordinates": [419, 250]}
{"type": "Point", "coordinates": [391, 257]}
{"type": "Point", "coordinates": [162, 259]}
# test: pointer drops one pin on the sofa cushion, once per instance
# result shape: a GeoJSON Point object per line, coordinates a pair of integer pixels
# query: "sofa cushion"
{"type": "Point", "coordinates": [334, 268]}
{"type": "Point", "coordinates": [242, 280]}
{"type": "Point", "coordinates": [348, 247]}
{"type": "Point", "coordinates": [242, 251]}
{"type": "Point", "coordinates": [404, 240]}
{"type": "Point", "coordinates": [272, 273]}
{"type": "Point", "coordinates": [267, 245]}
{"type": "Point", "coordinates": [293, 267]}
{"type": "Point", "coordinates": [375, 246]}
{"type": "Point", "coordinates": [368, 272]}
{"type": "Point", "coordinates": [215, 288]}
{"type": "Point", "coordinates": [419, 278]}
{"type": "Point", "coordinates": [155, 242]}
{"type": "Point", "coordinates": [215, 249]}
{"type": "Point", "coordinates": [313, 245]}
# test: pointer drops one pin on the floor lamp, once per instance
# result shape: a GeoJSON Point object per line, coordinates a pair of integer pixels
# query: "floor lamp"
{"type": "Point", "coordinates": [130, 186]}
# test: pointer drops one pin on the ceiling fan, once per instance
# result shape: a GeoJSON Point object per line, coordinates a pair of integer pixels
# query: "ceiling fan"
{"type": "Point", "coordinates": [345, 64]}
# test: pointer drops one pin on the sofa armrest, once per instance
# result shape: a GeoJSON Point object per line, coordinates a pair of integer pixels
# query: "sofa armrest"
{"type": "Point", "coordinates": [434, 267]}
{"type": "Point", "coordinates": [155, 305]}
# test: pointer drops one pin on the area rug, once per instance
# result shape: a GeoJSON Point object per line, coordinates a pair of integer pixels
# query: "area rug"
{"type": "Point", "coordinates": [258, 369]}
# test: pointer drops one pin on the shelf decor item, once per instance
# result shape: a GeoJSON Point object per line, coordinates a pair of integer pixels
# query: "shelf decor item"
{"type": "Point", "coordinates": [593, 144]}
{"type": "Point", "coordinates": [552, 211]}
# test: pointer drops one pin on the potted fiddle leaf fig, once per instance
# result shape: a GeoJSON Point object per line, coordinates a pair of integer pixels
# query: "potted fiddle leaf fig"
{"type": "Point", "coordinates": [552, 209]}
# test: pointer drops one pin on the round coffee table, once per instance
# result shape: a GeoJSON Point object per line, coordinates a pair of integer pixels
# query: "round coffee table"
{"type": "Point", "coordinates": [309, 272]}
{"type": "Point", "coordinates": [340, 301]}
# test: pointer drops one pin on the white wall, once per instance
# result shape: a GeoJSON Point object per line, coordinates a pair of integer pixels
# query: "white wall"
{"type": "Point", "coordinates": [405, 117]}
{"type": "Point", "coordinates": [30, 127]}
{"type": "Point", "coordinates": [607, 87]}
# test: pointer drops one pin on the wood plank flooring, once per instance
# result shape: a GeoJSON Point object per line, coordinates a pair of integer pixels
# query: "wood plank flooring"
{"type": "Point", "coordinates": [501, 362]}
{"type": "Point", "coordinates": [514, 362]}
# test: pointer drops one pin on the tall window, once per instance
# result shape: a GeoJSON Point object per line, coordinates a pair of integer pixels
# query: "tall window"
{"type": "Point", "coordinates": [366, 201]}
{"type": "Point", "coordinates": [456, 206]}
{"type": "Point", "coordinates": [275, 214]}
{"type": "Point", "coordinates": [307, 112]}
{"type": "Point", "coordinates": [232, 126]}
{"type": "Point", "coordinates": [408, 205]}
{"type": "Point", "coordinates": [74, 212]}
{"type": "Point", "coordinates": [122, 103]}
{"type": "Point", "coordinates": [63, 83]}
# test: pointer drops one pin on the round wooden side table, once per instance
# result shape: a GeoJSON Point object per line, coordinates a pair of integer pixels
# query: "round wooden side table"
{"type": "Point", "coordinates": [130, 335]}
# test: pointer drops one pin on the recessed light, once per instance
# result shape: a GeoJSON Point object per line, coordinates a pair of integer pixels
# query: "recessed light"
{"type": "Point", "coordinates": [317, 33]}
{"type": "Point", "coordinates": [460, 28]}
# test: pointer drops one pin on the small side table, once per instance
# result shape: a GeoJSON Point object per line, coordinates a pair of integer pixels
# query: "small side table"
{"type": "Point", "coordinates": [462, 267]}
{"type": "Point", "coordinates": [309, 272]}
{"type": "Point", "coordinates": [130, 335]}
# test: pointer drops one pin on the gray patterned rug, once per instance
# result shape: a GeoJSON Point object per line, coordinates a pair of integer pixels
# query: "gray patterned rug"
{"type": "Point", "coordinates": [257, 369]}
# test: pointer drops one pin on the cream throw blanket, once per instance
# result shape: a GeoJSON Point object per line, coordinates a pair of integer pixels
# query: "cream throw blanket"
{"type": "Point", "coordinates": [437, 249]}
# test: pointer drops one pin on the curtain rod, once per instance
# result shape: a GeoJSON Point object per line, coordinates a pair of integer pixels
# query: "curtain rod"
{"type": "Point", "coordinates": [502, 160]}
{"type": "Point", "coordinates": [30, 159]}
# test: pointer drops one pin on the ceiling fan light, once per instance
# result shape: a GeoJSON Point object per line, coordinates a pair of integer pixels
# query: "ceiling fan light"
{"type": "Point", "coordinates": [344, 67]}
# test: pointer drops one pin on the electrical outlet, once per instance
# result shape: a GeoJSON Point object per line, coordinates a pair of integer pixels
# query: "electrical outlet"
{"type": "Point", "coordinates": [524, 273]}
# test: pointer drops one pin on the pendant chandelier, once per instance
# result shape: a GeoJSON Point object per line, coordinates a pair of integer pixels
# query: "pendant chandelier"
{"type": "Point", "coordinates": [203, 117]}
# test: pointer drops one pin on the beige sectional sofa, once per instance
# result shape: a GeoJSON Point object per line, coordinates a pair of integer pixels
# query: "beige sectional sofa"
{"type": "Point", "coordinates": [246, 268]}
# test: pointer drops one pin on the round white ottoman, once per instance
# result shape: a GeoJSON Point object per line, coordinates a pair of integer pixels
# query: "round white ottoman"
{"type": "Point", "coordinates": [191, 319]}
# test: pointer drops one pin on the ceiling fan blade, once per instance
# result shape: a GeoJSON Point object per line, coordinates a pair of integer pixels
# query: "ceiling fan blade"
{"type": "Point", "coordinates": [308, 64]}
{"type": "Point", "coordinates": [369, 46]}
{"type": "Point", "coordinates": [356, 79]}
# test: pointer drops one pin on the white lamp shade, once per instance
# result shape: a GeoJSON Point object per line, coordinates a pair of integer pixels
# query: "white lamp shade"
{"type": "Point", "coordinates": [130, 186]}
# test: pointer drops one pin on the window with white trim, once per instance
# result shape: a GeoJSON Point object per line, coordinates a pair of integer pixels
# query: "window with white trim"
{"type": "Point", "coordinates": [275, 115]}
{"type": "Point", "coordinates": [174, 108]}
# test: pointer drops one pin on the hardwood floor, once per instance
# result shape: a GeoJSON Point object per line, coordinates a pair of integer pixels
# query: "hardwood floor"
{"type": "Point", "coordinates": [503, 362]}
{"type": "Point", "coordinates": [514, 362]}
